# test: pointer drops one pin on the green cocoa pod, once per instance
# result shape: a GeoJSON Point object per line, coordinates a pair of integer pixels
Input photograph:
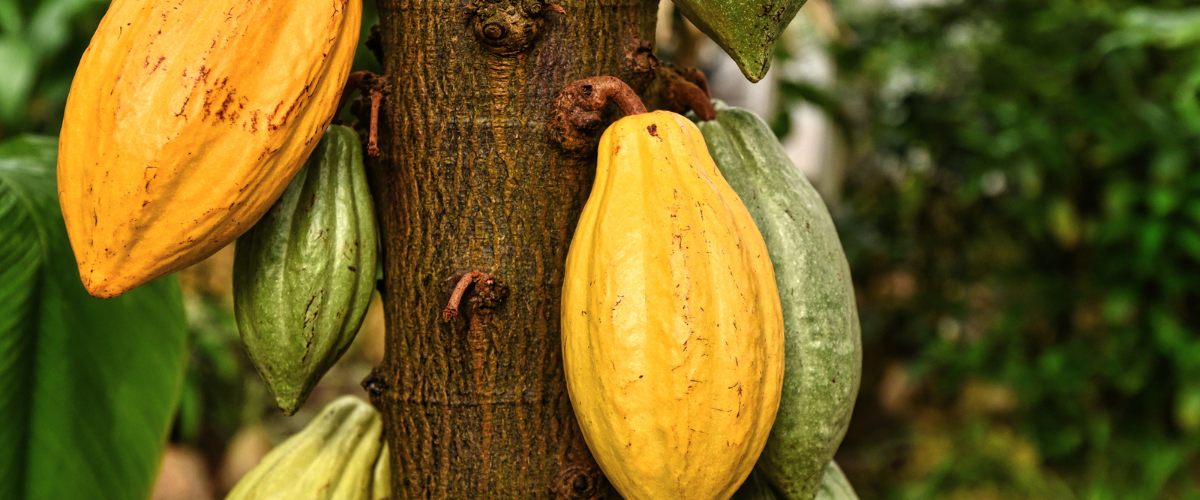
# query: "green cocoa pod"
{"type": "Point", "coordinates": [303, 275]}
{"type": "Point", "coordinates": [746, 29]}
{"type": "Point", "coordinates": [834, 485]}
{"type": "Point", "coordinates": [754, 488]}
{"type": "Point", "coordinates": [823, 343]}
{"type": "Point", "coordinates": [381, 480]}
{"type": "Point", "coordinates": [333, 458]}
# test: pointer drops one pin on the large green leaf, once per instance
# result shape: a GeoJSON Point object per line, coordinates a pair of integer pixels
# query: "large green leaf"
{"type": "Point", "coordinates": [87, 386]}
{"type": "Point", "coordinates": [20, 67]}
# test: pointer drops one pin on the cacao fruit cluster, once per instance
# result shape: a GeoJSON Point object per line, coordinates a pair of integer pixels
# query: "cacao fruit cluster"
{"type": "Point", "coordinates": [184, 123]}
{"type": "Point", "coordinates": [710, 334]}
{"type": "Point", "coordinates": [710, 337]}
{"type": "Point", "coordinates": [340, 455]}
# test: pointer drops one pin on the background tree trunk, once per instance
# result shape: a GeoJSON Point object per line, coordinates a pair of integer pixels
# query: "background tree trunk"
{"type": "Point", "coordinates": [477, 407]}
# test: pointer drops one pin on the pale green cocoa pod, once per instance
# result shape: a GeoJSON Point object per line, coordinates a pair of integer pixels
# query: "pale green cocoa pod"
{"type": "Point", "coordinates": [755, 488]}
{"type": "Point", "coordinates": [334, 458]}
{"type": "Point", "coordinates": [303, 275]}
{"type": "Point", "coordinates": [834, 486]}
{"type": "Point", "coordinates": [381, 481]}
{"type": "Point", "coordinates": [823, 343]}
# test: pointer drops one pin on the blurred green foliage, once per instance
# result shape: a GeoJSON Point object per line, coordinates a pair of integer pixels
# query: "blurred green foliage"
{"type": "Point", "coordinates": [1023, 225]}
{"type": "Point", "coordinates": [40, 45]}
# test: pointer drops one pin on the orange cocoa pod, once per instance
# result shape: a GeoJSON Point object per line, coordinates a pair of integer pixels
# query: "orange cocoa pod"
{"type": "Point", "coordinates": [186, 120]}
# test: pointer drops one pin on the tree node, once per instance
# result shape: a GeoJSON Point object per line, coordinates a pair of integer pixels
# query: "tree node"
{"type": "Point", "coordinates": [686, 89]}
{"type": "Point", "coordinates": [576, 113]}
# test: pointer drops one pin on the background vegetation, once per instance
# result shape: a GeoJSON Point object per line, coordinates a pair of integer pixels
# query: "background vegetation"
{"type": "Point", "coordinates": [1023, 224]}
{"type": "Point", "coordinates": [1019, 210]}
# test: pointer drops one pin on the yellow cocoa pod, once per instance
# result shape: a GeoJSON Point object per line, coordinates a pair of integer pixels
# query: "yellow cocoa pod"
{"type": "Point", "coordinates": [381, 481]}
{"type": "Point", "coordinates": [186, 120]}
{"type": "Point", "coordinates": [672, 330]}
{"type": "Point", "coordinates": [336, 457]}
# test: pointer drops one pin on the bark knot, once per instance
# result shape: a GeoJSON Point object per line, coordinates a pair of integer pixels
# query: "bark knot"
{"type": "Point", "coordinates": [579, 482]}
{"type": "Point", "coordinates": [508, 27]}
{"type": "Point", "coordinates": [576, 115]}
{"type": "Point", "coordinates": [640, 63]}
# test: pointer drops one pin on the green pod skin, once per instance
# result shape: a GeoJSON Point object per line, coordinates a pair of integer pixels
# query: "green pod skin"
{"type": "Point", "coordinates": [303, 275]}
{"type": "Point", "coordinates": [823, 342]}
{"type": "Point", "coordinates": [381, 478]}
{"type": "Point", "coordinates": [755, 488]}
{"type": "Point", "coordinates": [746, 29]}
{"type": "Point", "coordinates": [333, 458]}
{"type": "Point", "coordinates": [834, 486]}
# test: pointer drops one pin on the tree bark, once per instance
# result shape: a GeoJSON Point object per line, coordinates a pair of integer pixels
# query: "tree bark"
{"type": "Point", "coordinates": [476, 407]}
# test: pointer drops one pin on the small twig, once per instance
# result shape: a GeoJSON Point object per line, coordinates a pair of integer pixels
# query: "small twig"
{"type": "Point", "coordinates": [456, 298]}
{"type": "Point", "coordinates": [373, 135]}
{"type": "Point", "coordinates": [374, 86]}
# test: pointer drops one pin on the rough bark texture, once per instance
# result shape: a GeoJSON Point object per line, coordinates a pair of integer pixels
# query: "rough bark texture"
{"type": "Point", "coordinates": [476, 407]}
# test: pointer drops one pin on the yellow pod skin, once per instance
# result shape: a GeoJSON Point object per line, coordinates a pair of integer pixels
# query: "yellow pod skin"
{"type": "Point", "coordinates": [186, 120]}
{"type": "Point", "coordinates": [671, 323]}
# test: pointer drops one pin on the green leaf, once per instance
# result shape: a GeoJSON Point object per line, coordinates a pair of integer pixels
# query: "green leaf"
{"type": "Point", "coordinates": [11, 20]}
{"type": "Point", "coordinates": [20, 69]}
{"type": "Point", "coordinates": [87, 386]}
{"type": "Point", "coordinates": [50, 25]}
{"type": "Point", "coordinates": [1171, 28]}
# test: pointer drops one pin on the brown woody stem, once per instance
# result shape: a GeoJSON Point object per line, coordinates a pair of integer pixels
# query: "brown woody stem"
{"type": "Point", "coordinates": [690, 96]}
{"type": "Point", "coordinates": [687, 89]}
{"type": "Point", "coordinates": [697, 77]}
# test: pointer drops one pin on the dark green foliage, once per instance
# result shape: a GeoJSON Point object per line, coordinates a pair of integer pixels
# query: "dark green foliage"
{"type": "Point", "coordinates": [40, 45]}
{"type": "Point", "coordinates": [1022, 213]}
{"type": "Point", "coordinates": [87, 386]}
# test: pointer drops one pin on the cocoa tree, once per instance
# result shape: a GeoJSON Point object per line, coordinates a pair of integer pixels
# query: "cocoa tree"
{"type": "Point", "coordinates": [475, 197]}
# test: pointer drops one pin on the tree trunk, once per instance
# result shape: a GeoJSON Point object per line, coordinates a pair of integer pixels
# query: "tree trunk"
{"type": "Point", "coordinates": [476, 407]}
